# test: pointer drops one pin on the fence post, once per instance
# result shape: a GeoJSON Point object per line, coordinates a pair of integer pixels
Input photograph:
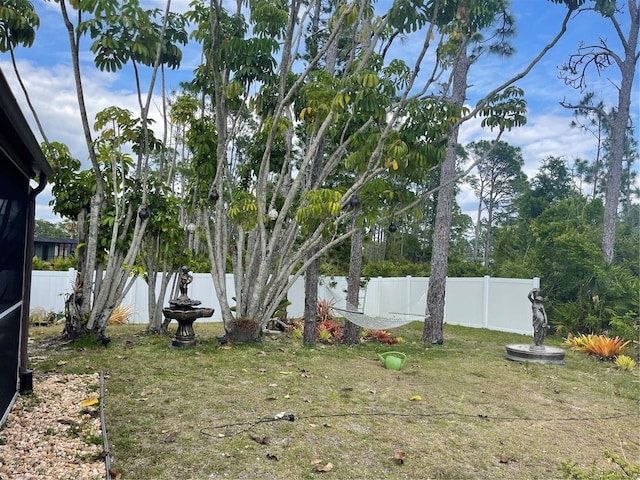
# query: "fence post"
{"type": "Point", "coordinates": [407, 296]}
{"type": "Point", "coordinates": [377, 312]}
{"type": "Point", "coordinates": [485, 301]}
{"type": "Point", "coordinates": [72, 278]}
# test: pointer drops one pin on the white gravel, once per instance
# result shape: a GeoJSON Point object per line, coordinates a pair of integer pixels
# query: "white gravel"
{"type": "Point", "coordinates": [49, 434]}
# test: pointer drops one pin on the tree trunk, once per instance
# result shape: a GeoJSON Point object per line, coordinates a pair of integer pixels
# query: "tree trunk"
{"type": "Point", "coordinates": [310, 304]}
{"type": "Point", "coordinates": [311, 274]}
{"type": "Point", "coordinates": [351, 332]}
{"type": "Point", "coordinates": [618, 131]}
{"type": "Point", "coordinates": [75, 323]}
{"type": "Point", "coordinates": [434, 313]}
{"type": "Point", "coordinates": [488, 240]}
{"type": "Point", "coordinates": [74, 326]}
{"type": "Point", "coordinates": [156, 320]}
{"type": "Point", "coordinates": [476, 241]}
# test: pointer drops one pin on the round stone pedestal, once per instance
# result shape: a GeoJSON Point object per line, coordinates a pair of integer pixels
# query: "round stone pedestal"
{"type": "Point", "coordinates": [535, 354]}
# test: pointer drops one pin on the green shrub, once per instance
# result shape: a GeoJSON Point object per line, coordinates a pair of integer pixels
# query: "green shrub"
{"type": "Point", "coordinates": [606, 301]}
{"type": "Point", "coordinates": [58, 264]}
{"type": "Point", "coordinates": [626, 326]}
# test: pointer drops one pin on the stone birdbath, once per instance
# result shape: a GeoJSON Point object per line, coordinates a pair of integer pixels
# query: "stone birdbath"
{"type": "Point", "coordinates": [536, 352]}
{"type": "Point", "coordinates": [182, 309]}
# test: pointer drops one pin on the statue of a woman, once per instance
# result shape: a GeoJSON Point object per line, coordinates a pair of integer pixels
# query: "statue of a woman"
{"type": "Point", "coordinates": [540, 324]}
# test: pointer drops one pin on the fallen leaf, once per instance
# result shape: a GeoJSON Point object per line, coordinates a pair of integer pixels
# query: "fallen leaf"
{"type": "Point", "coordinates": [315, 461]}
{"type": "Point", "coordinates": [326, 468]}
{"type": "Point", "coordinates": [505, 459]}
{"type": "Point", "coordinates": [260, 440]}
{"type": "Point", "coordinates": [399, 457]}
{"type": "Point", "coordinates": [89, 402]}
{"type": "Point", "coordinates": [415, 398]}
{"type": "Point", "coordinates": [244, 370]}
{"type": "Point", "coordinates": [225, 347]}
{"type": "Point", "coordinates": [61, 363]}
{"type": "Point", "coordinates": [171, 437]}
{"type": "Point", "coordinates": [286, 373]}
{"type": "Point", "coordinates": [261, 353]}
{"type": "Point", "coordinates": [114, 474]}
{"type": "Point", "coordinates": [273, 384]}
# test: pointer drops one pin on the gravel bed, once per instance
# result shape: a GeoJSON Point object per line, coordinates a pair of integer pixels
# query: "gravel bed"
{"type": "Point", "coordinates": [50, 434]}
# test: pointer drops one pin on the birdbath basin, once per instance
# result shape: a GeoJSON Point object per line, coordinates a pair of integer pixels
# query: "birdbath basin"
{"type": "Point", "coordinates": [185, 335]}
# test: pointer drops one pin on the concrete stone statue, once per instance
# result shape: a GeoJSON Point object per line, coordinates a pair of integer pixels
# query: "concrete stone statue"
{"type": "Point", "coordinates": [540, 323]}
{"type": "Point", "coordinates": [185, 280]}
{"type": "Point", "coordinates": [536, 352]}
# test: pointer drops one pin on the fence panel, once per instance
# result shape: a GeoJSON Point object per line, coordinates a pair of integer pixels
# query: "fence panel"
{"type": "Point", "coordinates": [464, 302]}
{"type": "Point", "coordinates": [509, 308]}
{"type": "Point", "coordinates": [494, 303]}
{"type": "Point", "coordinates": [48, 289]}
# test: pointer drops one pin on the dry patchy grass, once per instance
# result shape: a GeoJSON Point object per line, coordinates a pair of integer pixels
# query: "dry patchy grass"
{"type": "Point", "coordinates": [206, 412]}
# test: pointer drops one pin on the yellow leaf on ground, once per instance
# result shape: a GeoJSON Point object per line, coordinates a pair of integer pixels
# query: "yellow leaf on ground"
{"type": "Point", "coordinates": [326, 468]}
{"type": "Point", "coordinates": [415, 398]}
{"type": "Point", "coordinates": [89, 402]}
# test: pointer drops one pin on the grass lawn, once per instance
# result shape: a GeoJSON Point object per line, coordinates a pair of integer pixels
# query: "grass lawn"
{"type": "Point", "coordinates": [455, 411]}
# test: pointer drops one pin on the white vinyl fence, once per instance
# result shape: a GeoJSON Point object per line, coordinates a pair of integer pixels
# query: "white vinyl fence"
{"type": "Point", "coordinates": [493, 303]}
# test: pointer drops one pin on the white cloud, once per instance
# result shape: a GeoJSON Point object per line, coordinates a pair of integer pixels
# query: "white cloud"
{"type": "Point", "coordinates": [46, 70]}
{"type": "Point", "coordinates": [53, 95]}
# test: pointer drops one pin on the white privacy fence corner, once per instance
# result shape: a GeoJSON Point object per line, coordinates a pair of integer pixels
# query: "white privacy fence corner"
{"type": "Point", "coordinates": [485, 302]}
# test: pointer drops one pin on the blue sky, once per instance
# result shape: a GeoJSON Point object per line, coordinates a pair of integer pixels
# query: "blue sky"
{"type": "Point", "coordinates": [46, 71]}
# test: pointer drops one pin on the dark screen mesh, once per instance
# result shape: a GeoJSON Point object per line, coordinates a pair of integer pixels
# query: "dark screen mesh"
{"type": "Point", "coordinates": [14, 197]}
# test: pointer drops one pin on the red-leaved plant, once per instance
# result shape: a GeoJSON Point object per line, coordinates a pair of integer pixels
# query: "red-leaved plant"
{"type": "Point", "coordinates": [381, 336]}
{"type": "Point", "coordinates": [601, 346]}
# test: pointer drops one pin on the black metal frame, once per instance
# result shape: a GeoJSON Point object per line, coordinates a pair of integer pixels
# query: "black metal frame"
{"type": "Point", "coordinates": [21, 160]}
